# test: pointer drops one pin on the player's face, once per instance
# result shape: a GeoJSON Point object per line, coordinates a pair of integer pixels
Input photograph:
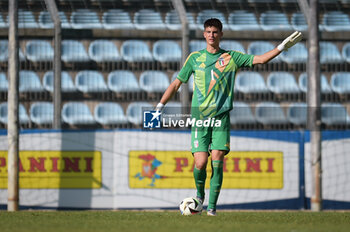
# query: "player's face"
{"type": "Point", "coordinates": [212, 35]}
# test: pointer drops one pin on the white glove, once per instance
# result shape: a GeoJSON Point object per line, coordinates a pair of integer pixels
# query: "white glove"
{"type": "Point", "coordinates": [290, 41]}
{"type": "Point", "coordinates": [159, 107]}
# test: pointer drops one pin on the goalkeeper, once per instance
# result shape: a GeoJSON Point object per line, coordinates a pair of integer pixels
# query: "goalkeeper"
{"type": "Point", "coordinates": [214, 71]}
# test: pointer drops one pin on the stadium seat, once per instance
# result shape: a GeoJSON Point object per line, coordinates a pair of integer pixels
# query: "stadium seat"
{"type": "Point", "coordinates": [172, 21]}
{"type": "Point", "coordinates": [45, 20]}
{"type": "Point", "coordinates": [3, 23]}
{"type": "Point", "coordinates": [73, 51]}
{"type": "Point", "coordinates": [250, 82]}
{"type": "Point", "coordinates": [117, 19]}
{"type": "Point", "coordinates": [85, 19]}
{"type": "Point", "coordinates": [243, 21]}
{"type": "Point", "coordinates": [334, 114]}
{"type": "Point", "coordinates": [166, 51]}
{"type": "Point", "coordinates": [325, 88]}
{"type": "Point", "coordinates": [88, 81]}
{"type": "Point", "coordinates": [4, 85]}
{"type": "Point", "coordinates": [147, 19]}
{"type": "Point", "coordinates": [270, 113]}
{"type": "Point", "coordinates": [340, 82]}
{"type": "Point", "coordinates": [26, 19]}
{"type": "Point", "coordinates": [77, 113]}
{"type": "Point", "coordinates": [336, 21]}
{"type": "Point", "coordinates": [260, 47]}
{"type": "Point", "coordinates": [39, 51]}
{"type": "Point", "coordinates": [329, 53]}
{"type": "Point", "coordinates": [345, 52]}
{"type": "Point", "coordinates": [282, 82]}
{"type": "Point", "coordinates": [123, 81]}
{"type": "Point", "coordinates": [23, 116]}
{"type": "Point", "coordinates": [207, 14]}
{"type": "Point", "coordinates": [154, 81]}
{"type": "Point", "coordinates": [295, 54]}
{"type": "Point", "coordinates": [4, 51]}
{"type": "Point", "coordinates": [136, 51]}
{"type": "Point", "coordinates": [109, 113]}
{"type": "Point", "coordinates": [298, 22]}
{"type": "Point", "coordinates": [29, 81]}
{"type": "Point", "coordinates": [274, 21]}
{"type": "Point", "coordinates": [232, 45]}
{"type": "Point", "coordinates": [67, 84]}
{"type": "Point", "coordinates": [241, 114]}
{"type": "Point", "coordinates": [262, 1]}
{"type": "Point", "coordinates": [134, 112]}
{"type": "Point", "coordinates": [41, 113]}
{"type": "Point", "coordinates": [197, 45]}
{"type": "Point", "coordinates": [104, 51]}
{"type": "Point", "coordinates": [297, 113]}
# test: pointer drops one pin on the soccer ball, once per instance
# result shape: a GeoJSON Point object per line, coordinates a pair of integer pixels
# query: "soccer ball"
{"type": "Point", "coordinates": [190, 206]}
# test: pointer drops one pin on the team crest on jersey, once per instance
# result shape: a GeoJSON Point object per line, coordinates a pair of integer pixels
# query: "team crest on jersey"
{"type": "Point", "coordinates": [221, 61]}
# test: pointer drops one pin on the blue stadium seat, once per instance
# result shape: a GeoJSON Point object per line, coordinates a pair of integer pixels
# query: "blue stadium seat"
{"type": "Point", "coordinates": [166, 51]}
{"type": "Point", "coordinates": [295, 54]}
{"type": "Point", "coordinates": [189, 82]}
{"type": "Point", "coordinates": [77, 113]}
{"type": "Point", "coordinates": [134, 112]}
{"type": "Point", "coordinates": [154, 81]}
{"type": "Point", "coordinates": [297, 113]}
{"type": "Point", "coordinates": [260, 47]}
{"type": "Point", "coordinates": [136, 51]}
{"type": "Point", "coordinates": [4, 51]}
{"type": "Point", "coordinates": [241, 114]}
{"type": "Point", "coordinates": [147, 19]}
{"type": "Point", "coordinates": [26, 19]}
{"type": "Point", "coordinates": [340, 82]}
{"type": "Point", "coordinates": [29, 81]}
{"type": "Point", "coordinates": [117, 19]}
{"type": "Point", "coordinates": [334, 114]}
{"type": "Point", "coordinates": [3, 23]}
{"type": "Point", "coordinates": [67, 84]}
{"type": "Point", "coordinates": [274, 20]}
{"type": "Point", "coordinates": [172, 21]}
{"type": "Point", "coordinates": [270, 113]}
{"type": "Point", "coordinates": [41, 113]}
{"type": "Point", "coordinates": [232, 45]}
{"type": "Point", "coordinates": [85, 19]}
{"type": "Point", "coordinates": [298, 22]}
{"type": "Point", "coordinates": [4, 85]}
{"type": "Point", "coordinates": [346, 52]}
{"type": "Point", "coordinates": [336, 21]}
{"type": "Point", "coordinates": [123, 81]}
{"type": "Point", "coordinates": [329, 53]}
{"type": "Point", "coordinates": [282, 82]}
{"type": "Point", "coordinates": [45, 20]}
{"type": "Point", "coordinates": [207, 14]}
{"type": "Point", "coordinates": [243, 21]}
{"type": "Point", "coordinates": [104, 50]}
{"type": "Point", "coordinates": [39, 50]}
{"type": "Point", "coordinates": [250, 82]}
{"type": "Point", "coordinates": [109, 113]}
{"type": "Point", "coordinates": [325, 88]}
{"type": "Point", "coordinates": [73, 51]}
{"type": "Point", "coordinates": [197, 45]}
{"type": "Point", "coordinates": [262, 1]}
{"type": "Point", "coordinates": [89, 81]}
{"type": "Point", "coordinates": [23, 116]}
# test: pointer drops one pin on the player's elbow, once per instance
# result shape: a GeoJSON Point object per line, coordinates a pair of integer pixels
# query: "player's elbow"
{"type": "Point", "coordinates": [260, 60]}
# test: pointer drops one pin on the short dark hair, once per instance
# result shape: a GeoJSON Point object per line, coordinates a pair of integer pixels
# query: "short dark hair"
{"type": "Point", "coordinates": [213, 22]}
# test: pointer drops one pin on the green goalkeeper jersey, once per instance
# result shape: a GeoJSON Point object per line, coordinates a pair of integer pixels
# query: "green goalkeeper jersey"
{"type": "Point", "coordinates": [214, 78]}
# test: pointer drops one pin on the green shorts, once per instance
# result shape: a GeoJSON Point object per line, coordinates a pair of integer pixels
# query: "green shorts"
{"type": "Point", "coordinates": [207, 138]}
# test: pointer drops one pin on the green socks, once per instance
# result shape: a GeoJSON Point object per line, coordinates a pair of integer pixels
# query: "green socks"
{"type": "Point", "coordinates": [199, 178]}
{"type": "Point", "coordinates": [215, 183]}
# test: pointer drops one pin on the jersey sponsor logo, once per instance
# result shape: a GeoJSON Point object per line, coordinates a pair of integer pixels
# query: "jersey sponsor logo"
{"type": "Point", "coordinates": [149, 168]}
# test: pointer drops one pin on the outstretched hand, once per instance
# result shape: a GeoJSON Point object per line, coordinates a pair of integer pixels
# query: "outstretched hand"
{"type": "Point", "coordinates": [290, 41]}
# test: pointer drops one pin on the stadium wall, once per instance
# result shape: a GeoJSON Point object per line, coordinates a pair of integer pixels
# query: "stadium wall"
{"type": "Point", "coordinates": [137, 169]}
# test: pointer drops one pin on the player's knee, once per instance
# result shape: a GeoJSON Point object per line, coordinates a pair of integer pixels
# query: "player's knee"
{"type": "Point", "coordinates": [201, 165]}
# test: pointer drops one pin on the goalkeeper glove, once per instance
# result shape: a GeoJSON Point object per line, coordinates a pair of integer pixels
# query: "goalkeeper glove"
{"type": "Point", "coordinates": [159, 107]}
{"type": "Point", "coordinates": [290, 41]}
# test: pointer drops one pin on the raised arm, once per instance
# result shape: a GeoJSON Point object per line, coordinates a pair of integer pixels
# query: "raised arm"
{"type": "Point", "coordinates": [290, 41]}
{"type": "Point", "coordinates": [169, 93]}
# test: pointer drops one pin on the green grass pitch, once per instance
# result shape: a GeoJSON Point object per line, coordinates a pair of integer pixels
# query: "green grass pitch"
{"type": "Point", "coordinates": [169, 221]}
